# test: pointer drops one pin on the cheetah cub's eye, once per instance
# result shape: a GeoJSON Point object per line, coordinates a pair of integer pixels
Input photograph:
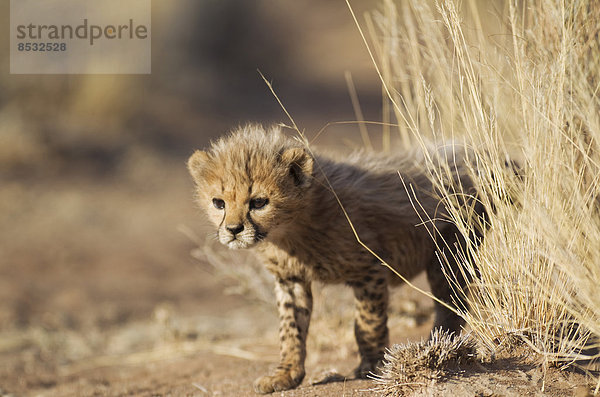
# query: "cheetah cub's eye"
{"type": "Point", "coordinates": [258, 203]}
{"type": "Point", "coordinates": [218, 203]}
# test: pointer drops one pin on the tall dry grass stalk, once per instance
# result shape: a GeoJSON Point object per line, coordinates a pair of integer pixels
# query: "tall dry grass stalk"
{"type": "Point", "coordinates": [522, 79]}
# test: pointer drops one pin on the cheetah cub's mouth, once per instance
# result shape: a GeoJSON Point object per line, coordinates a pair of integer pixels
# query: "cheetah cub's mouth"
{"type": "Point", "coordinates": [237, 244]}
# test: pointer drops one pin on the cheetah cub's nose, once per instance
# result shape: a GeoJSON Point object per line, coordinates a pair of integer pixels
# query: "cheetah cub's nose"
{"type": "Point", "coordinates": [234, 229]}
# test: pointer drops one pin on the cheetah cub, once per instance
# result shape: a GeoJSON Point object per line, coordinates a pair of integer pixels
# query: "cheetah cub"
{"type": "Point", "coordinates": [264, 190]}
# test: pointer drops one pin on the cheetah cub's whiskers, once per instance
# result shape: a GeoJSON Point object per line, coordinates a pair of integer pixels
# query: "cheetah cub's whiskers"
{"type": "Point", "coordinates": [263, 190]}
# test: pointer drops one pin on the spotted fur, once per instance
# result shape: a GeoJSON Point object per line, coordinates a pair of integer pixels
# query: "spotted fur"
{"type": "Point", "coordinates": [303, 235]}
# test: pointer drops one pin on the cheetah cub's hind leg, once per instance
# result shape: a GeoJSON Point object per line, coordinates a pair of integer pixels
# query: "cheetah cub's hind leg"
{"type": "Point", "coordinates": [445, 318]}
{"type": "Point", "coordinates": [370, 322]}
{"type": "Point", "coordinates": [294, 304]}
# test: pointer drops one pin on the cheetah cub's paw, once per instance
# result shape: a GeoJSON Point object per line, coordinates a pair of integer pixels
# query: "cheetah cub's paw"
{"type": "Point", "coordinates": [277, 382]}
{"type": "Point", "coordinates": [368, 367]}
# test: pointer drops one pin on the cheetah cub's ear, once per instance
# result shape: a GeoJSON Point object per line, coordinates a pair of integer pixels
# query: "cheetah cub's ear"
{"type": "Point", "coordinates": [300, 164]}
{"type": "Point", "coordinates": [197, 164]}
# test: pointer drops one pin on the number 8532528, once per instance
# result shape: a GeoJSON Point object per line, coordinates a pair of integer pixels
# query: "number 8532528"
{"type": "Point", "coordinates": [42, 47]}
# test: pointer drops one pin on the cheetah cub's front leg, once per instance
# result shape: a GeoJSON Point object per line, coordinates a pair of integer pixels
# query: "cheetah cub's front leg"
{"type": "Point", "coordinates": [370, 323]}
{"type": "Point", "coordinates": [294, 303]}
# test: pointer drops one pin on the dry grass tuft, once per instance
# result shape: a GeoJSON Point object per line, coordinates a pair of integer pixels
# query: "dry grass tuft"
{"type": "Point", "coordinates": [518, 81]}
{"type": "Point", "coordinates": [412, 365]}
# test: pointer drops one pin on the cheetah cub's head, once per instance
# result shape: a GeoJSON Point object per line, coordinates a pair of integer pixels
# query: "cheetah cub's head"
{"type": "Point", "coordinates": [252, 184]}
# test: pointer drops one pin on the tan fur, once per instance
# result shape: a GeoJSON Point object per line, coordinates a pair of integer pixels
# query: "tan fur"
{"type": "Point", "coordinates": [302, 234]}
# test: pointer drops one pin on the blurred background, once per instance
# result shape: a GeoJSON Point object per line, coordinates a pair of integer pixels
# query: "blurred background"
{"type": "Point", "coordinates": [97, 220]}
